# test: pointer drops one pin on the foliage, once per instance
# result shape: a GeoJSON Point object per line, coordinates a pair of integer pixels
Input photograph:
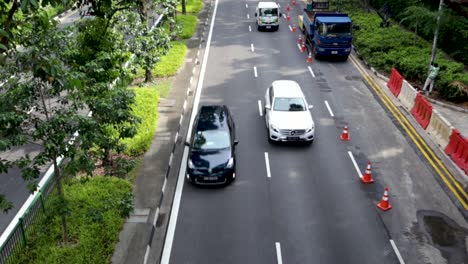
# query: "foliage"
{"type": "Point", "coordinates": [170, 63]}
{"type": "Point", "coordinates": [192, 6]}
{"type": "Point", "coordinates": [145, 108]}
{"type": "Point", "coordinates": [385, 48]}
{"type": "Point", "coordinates": [98, 208]}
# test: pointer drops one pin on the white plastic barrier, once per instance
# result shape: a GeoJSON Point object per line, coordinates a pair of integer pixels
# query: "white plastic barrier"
{"type": "Point", "coordinates": [439, 129]}
{"type": "Point", "coordinates": [407, 95]}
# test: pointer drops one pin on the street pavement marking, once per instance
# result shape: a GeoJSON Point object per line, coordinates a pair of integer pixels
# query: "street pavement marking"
{"type": "Point", "coordinates": [290, 28]}
{"type": "Point", "coordinates": [310, 70]}
{"type": "Point", "coordinates": [260, 108]}
{"type": "Point", "coordinates": [246, 6]}
{"type": "Point", "coordinates": [426, 151]}
{"type": "Point", "coordinates": [299, 47]}
{"type": "Point", "coordinates": [191, 80]}
{"type": "Point", "coordinates": [397, 252]}
{"type": "Point", "coordinates": [267, 162]}
{"type": "Point", "coordinates": [252, 47]}
{"type": "Point", "coordinates": [279, 258]}
{"type": "Point", "coordinates": [255, 71]}
{"type": "Point", "coordinates": [329, 108]}
{"type": "Point", "coordinates": [250, 29]}
{"type": "Point", "coordinates": [248, 16]}
{"type": "Point", "coordinates": [284, 16]}
{"type": "Point", "coordinates": [355, 164]}
{"type": "Point", "coordinates": [166, 253]}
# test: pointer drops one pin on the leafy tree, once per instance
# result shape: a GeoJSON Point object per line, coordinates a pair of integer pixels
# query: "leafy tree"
{"type": "Point", "coordinates": [419, 19]}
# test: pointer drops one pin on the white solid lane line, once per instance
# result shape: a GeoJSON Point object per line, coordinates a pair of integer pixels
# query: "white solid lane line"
{"type": "Point", "coordinates": [252, 47]}
{"type": "Point", "coordinates": [279, 257]}
{"type": "Point", "coordinates": [397, 252]}
{"type": "Point", "coordinates": [260, 107]}
{"type": "Point", "coordinates": [267, 163]}
{"type": "Point", "coordinates": [250, 29]}
{"type": "Point", "coordinates": [311, 71]}
{"type": "Point", "coordinates": [329, 108]}
{"type": "Point", "coordinates": [166, 254]}
{"type": "Point", "coordinates": [355, 164]}
{"type": "Point", "coordinates": [255, 71]}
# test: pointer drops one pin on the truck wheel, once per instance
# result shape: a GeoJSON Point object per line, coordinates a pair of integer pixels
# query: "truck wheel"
{"type": "Point", "coordinates": [259, 28]}
{"type": "Point", "coordinates": [276, 28]}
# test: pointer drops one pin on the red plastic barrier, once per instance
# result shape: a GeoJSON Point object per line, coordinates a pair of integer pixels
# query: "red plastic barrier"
{"type": "Point", "coordinates": [395, 82]}
{"type": "Point", "coordinates": [457, 149]}
{"type": "Point", "coordinates": [422, 110]}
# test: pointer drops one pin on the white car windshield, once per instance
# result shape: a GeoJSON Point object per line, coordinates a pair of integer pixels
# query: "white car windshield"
{"type": "Point", "coordinates": [289, 104]}
{"type": "Point", "coordinates": [211, 140]}
{"type": "Point", "coordinates": [268, 12]}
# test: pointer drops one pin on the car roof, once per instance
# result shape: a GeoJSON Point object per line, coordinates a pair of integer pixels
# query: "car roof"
{"type": "Point", "coordinates": [286, 88]}
{"type": "Point", "coordinates": [267, 5]}
{"type": "Point", "coordinates": [333, 19]}
{"type": "Point", "coordinates": [211, 117]}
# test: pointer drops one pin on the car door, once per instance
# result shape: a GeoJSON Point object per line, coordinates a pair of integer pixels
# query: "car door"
{"type": "Point", "coordinates": [268, 101]}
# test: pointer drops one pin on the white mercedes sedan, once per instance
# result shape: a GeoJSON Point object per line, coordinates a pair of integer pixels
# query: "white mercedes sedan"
{"type": "Point", "coordinates": [287, 114]}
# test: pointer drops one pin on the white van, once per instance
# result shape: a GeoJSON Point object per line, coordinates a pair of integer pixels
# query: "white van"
{"type": "Point", "coordinates": [267, 15]}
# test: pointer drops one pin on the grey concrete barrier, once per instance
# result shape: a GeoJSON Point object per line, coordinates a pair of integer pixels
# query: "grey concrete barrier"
{"type": "Point", "coordinates": [407, 95]}
{"type": "Point", "coordinates": [439, 129]}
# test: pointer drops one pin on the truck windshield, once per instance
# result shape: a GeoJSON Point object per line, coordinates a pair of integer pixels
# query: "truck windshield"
{"type": "Point", "coordinates": [330, 29]}
{"type": "Point", "coordinates": [268, 12]}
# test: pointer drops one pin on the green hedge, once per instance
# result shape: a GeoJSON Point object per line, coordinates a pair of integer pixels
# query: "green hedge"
{"type": "Point", "coordinates": [172, 61]}
{"type": "Point", "coordinates": [385, 48]}
{"type": "Point", "coordinates": [97, 211]}
{"type": "Point", "coordinates": [146, 108]}
{"type": "Point", "coordinates": [191, 6]}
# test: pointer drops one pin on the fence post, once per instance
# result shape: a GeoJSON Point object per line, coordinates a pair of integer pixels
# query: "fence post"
{"type": "Point", "coordinates": [23, 233]}
{"type": "Point", "coordinates": [42, 201]}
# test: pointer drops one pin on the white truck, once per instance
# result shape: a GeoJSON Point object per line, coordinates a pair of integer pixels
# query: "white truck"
{"type": "Point", "coordinates": [267, 15]}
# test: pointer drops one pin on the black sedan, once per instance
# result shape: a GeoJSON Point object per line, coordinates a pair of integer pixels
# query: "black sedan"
{"type": "Point", "coordinates": [212, 147]}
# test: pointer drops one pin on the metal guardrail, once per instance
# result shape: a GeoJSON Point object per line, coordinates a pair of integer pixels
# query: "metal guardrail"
{"type": "Point", "coordinates": [14, 239]}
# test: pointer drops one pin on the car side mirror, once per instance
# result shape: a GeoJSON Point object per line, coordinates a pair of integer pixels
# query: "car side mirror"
{"type": "Point", "coordinates": [280, 14]}
{"type": "Point", "coordinates": [236, 142]}
{"type": "Point", "coordinates": [311, 106]}
{"type": "Point", "coordinates": [255, 14]}
{"type": "Point", "coordinates": [186, 143]}
{"type": "Point", "coordinates": [267, 107]}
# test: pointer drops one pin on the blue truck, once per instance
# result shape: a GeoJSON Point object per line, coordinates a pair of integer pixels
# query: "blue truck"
{"type": "Point", "coordinates": [327, 33]}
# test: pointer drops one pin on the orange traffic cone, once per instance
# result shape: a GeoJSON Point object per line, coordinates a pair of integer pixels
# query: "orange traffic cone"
{"type": "Point", "coordinates": [288, 8]}
{"type": "Point", "coordinates": [303, 47]}
{"type": "Point", "coordinates": [309, 59]}
{"type": "Point", "coordinates": [288, 17]}
{"type": "Point", "coordinates": [299, 40]}
{"type": "Point", "coordinates": [294, 29]}
{"type": "Point", "coordinates": [345, 134]}
{"type": "Point", "coordinates": [384, 205]}
{"type": "Point", "coordinates": [367, 178]}
{"type": "Point", "coordinates": [293, 2]}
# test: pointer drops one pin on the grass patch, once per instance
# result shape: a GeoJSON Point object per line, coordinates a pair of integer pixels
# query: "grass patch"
{"type": "Point", "coordinates": [172, 61]}
{"type": "Point", "coordinates": [98, 208]}
{"type": "Point", "coordinates": [191, 6]}
{"type": "Point", "coordinates": [187, 23]}
{"type": "Point", "coordinates": [146, 106]}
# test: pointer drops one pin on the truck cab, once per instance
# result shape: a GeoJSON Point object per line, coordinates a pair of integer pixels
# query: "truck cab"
{"type": "Point", "coordinates": [267, 15]}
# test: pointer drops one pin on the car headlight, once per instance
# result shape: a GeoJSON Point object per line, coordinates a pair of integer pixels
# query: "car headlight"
{"type": "Point", "coordinates": [274, 128]}
{"type": "Point", "coordinates": [230, 163]}
{"type": "Point", "coordinates": [310, 129]}
{"type": "Point", "coordinates": [190, 164]}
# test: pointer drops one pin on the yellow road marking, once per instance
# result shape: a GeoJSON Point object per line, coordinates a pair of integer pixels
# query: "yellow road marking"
{"type": "Point", "coordinates": [420, 143]}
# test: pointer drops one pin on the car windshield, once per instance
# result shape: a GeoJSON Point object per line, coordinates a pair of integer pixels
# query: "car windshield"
{"type": "Point", "coordinates": [211, 140]}
{"type": "Point", "coordinates": [289, 104]}
{"type": "Point", "coordinates": [342, 29]}
{"type": "Point", "coordinates": [268, 12]}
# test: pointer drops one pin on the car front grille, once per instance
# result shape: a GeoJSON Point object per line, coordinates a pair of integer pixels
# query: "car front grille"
{"type": "Point", "coordinates": [292, 132]}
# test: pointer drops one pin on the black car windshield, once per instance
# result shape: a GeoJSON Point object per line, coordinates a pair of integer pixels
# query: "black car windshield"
{"type": "Point", "coordinates": [289, 104]}
{"type": "Point", "coordinates": [335, 29]}
{"type": "Point", "coordinates": [211, 140]}
{"type": "Point", "coordinates": [268, 12]}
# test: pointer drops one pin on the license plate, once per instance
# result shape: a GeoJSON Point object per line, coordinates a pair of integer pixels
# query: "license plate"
{"type": "Point", "coordinates": [292, 138]}
{"type": "Point", "coordinates": [268, 26]}
{"type": "Point", "coordinates": [210, 178]}
{"type": "Point", "coordinates": [334, 52]}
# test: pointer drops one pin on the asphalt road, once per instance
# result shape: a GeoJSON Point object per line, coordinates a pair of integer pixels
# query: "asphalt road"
{"type": "Point", "coordinates": [311, 207]}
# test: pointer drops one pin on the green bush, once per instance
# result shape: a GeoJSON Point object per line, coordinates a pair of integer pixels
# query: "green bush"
{"type": "Point", "coordinates": [97, 211]}
{"type": "Point", "coordinates": [172, 61]}
{"type": "Point", "coordinates": [146, 108]}
{"type": "Point", "coordinates": [191, 6]}
{"type": "Point", "coordinates": [394, 47]}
